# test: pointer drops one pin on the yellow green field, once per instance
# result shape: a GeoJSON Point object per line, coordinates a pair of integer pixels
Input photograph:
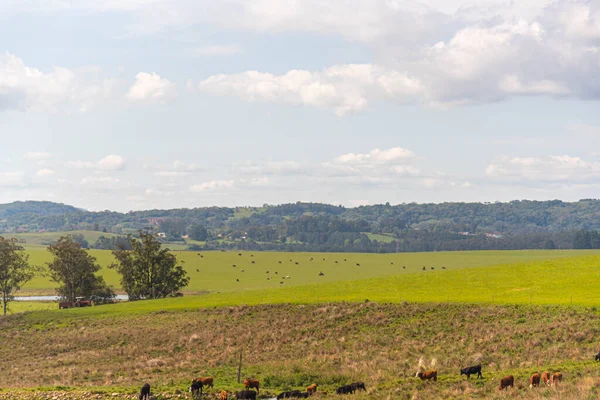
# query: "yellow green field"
{"type": "Point", "coordinates": [214, 272]}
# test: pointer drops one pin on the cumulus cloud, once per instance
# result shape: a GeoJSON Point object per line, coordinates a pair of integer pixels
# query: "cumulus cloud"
{"type": "Point", "coordinates": [25, 88]}
{"type": "Point", "coordinates": [212, 185]}
{"type": "Point", "coordinates": [112, 162]}
{"type": "Point", "coordinates": [268, 168]}
{"type": "Point", "coordinates": [109, 163]}
{"type": "Point", "coordinates": [544, 169]}
{"type": "Point", "coordinates": [45, 172]}
{"type": "Point", "coordinates": [151, 87]}
{"type": "Point", "coordinates": [100, 180]}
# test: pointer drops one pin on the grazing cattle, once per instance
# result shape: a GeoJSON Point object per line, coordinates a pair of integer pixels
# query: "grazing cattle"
{"type": "Point", "coordinates": [443, 267]}
{"type": "Point", "coordinates": [348, 389]}
{"type": "Point", "coordinates": [196, 388]}
{"type": "Point", "coordinates": [276, 273]}
{"type": "Point", "coordinates": [253, 262]}
{"type": "Point", "coordinates": [287, 277]}
{"type": "Point", "coordinates": [358, 386]}
{"type": "Point", "coordinates": [289, 395]}
{"type": "Point", "coordinates": [357, 264]}
{"type": "Point", "coordinates": [145, 392]}
{"type": "Point", "coordinates": [597, 358]}
{"type": "Point", "coordinates": [208, 381]}
{"type": "Point", "coordinates": [239, 254]}
{"type": "Point", "coordinates": [336, 261]}
{"type": "Point", "coordinates": [246, 395]}
{"type": "Point", "coordinates": [428, 375]}
{"type": "Point", "coordinates": [251, 384]}
{"type": "Point", "coordinates": [555, 378]}
{"type": "Point", "coordinates": [234, 265]}
{"type": "Point", "coordinates": [475, 369]}
{"type": "Point", "coordinates": [267, 272]}
{"type": "Point", "coordinates": [534, 380]}
{"type": "Point", "coordinates": [546, 378]}
{"type": "Point", "coordinates": [312, 388]}
{"type": "Point", "coordinates": [321, 274]}
{"type": "Point", "coordinates": [323, 259]}
{"type": "Point", "coordinates": [237, 280]}
{"type": "Point", "coordinates": [269, 278]}
{"type": "Point", "coordinates": [224, 395]}
{"type": "Point", "coordinates": [197, 270]}
{"type": "Point", "coordinates": [242, 270]}
{"type": "Point", "coordinates": [506, 382]}
{"type": "Point", "coordinates": [404, 267]}
{"type": "Point", "coordinates": [296, 263]}
{"type": "Point", "coordinates": [281, 283]}
{"type": "Point", "coordinates": [432, 268]}
{"type": "Point", "coordinates": [392, 263]}
{"type": "Point", "coordinates": [344, 259]}
{"type": "Point", "coordinates": [424, 269]}
{"type": "Point", "coordinates": [311, 259]}
{"type": "Point", "coordinates": [251, 255]}
{"type": "Point", "coordinates": [279, 262]}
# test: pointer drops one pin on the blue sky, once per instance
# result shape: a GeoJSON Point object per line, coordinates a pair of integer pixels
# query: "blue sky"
{"type": "Point", "coordinates": [131, 104]}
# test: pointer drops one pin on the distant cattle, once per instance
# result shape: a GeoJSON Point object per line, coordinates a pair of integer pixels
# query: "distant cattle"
{"type": "Point", "coordinates": [208, 381]}
{"type": "Point", "coordinates": [239, 254]}
{"type": "Point", "coordinates": [311, 259]}
{"type": "Point", "coordinates": [296, 263]}
{"type": "Point", "coordinates": [506, 382]}
{"type": "Point", "coordinates": [234, 265]}
{"type": "Point", "coordinates": [347, 389]}
{"type": "Point", "coordinates": [475, 369]}
{"type": "Point", "coordinates": [246, 395]}
{"type": "Point", "coordinates": [237, 280]}
{"type": "Point", "coordinates": [404, 267]}
{"type": "Point", "coordinates": [242, 270]}
{"type": "Point", "coordinates": [253, 262]}
{"type": "Point", "coordinates": [251, 255]}
{"type": "Point", "coordinates": [555, 378]}
{"type": "Point", "coordinates": [279, 262]}
{"type": "Point", "coordinates": [534, 380]}
{"type": "Point", "coordinates": [323, 259]}
{"type": "Point", "coordinates": [145, 392]}
{"type": "Point", "coordinates": [432, 268]}
{"type": "Point", "coordinates": [312, 388]}
{"type": "Point", "coordinates": [336, 261]}
{"type": "Point", "coordinates": [428, 375]}
{"type": "Point", "coordinates": [344, 259]}
{"type": "Point", "coordinates": [321, 274]}
{"type": "Point", "coordinates": [267, 272]}
{"type": "Point", "coordinates": [443, 267]}
{"type": "Point", "coordinates": [358, 386]}
{"type": "Point", "coordinates": [424, 269]}
{"type": "Point", "coordinates": [251, 384]}
{"type": "Point", "coordinates": [197, 270]}
{"type": "Point", "coordinates": [546, 378]}
{"type": "Point", "coordinates": [294, 394]}
{"type": "Point", "coordinates": [357, 264]}
{"type": "Point", "coordinates": [597, 358]}
{"type": "Point", "coordinates": [269, 278]}
{"type": "Point", "coordinates": [392, 263]}
{"type": "Point", "coordinates": [198, 384]}
{"type": "Point", "coordinates": [276, 273]}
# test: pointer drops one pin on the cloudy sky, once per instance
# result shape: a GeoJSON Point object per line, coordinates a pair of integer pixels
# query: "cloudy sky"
{"type": "Point", "coordinates": [135, 104]}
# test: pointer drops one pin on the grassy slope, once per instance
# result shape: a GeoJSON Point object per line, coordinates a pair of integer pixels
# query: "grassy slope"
{"type": "Point", "coordinates": [214, 272]}
{"type": "Point", "coordinates": [291, 346]}
{"type": "Point", "coordinates": [34, 238]}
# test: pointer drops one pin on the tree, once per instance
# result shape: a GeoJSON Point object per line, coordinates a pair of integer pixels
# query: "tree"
{"type": "Point", "coordinates": [147, 270]}
{"type": "Point", "coordinates": [73, 268]}
{"type": "Point", "coordinates": [15, 270]}
{"type": "Point", "coordinates": [198, 232]}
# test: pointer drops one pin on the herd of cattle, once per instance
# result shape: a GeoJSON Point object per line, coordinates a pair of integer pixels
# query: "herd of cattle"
{"type": "Point", "coordinates": [198, 384]}
{"type": "Point", "coordinates": [507, 381]}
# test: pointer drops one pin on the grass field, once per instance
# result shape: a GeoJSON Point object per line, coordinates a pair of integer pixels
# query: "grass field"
{"type": "Point", "coordinates": [35, 238]}
{"type": "Point", "coordinates": [214, 271]}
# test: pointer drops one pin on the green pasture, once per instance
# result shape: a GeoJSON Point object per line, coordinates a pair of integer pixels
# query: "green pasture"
{"type": "Point", "coordinates": [40, 238]}
{"type": "Point", "coordinates": [214, 272]}
{"type": "Point", "coordinates": [564, 281]}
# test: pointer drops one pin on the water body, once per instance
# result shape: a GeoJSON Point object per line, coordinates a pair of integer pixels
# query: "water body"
{"type": "Point", "coordinates": [55, 298]}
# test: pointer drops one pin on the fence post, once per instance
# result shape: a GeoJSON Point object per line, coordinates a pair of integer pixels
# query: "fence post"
{"type": "Point", "coordinates": [240, 367]}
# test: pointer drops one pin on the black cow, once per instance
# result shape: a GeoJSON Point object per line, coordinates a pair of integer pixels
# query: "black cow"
{"type": "Point", "coordinates": [294, 394]}
{"type": "Point", "coordinates": [196, 388]}
{"type": "Point", "coordinates": [145, 392]}
{"type": "Point", "coordinates": [246, 395]}
{"type": "Point", "coordinates": [597, 358]}
{"type": "Point", "coordinates": [475, 369]}
{"type": "Point", "coordinates": [358, 386]}
{"type": "Point", "coordinates": [348, 389]}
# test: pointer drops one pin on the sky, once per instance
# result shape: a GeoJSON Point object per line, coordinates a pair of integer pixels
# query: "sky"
{"type": "Point", "coordinates": [141, 104]}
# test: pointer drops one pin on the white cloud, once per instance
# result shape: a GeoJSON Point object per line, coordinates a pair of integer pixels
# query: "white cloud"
{"type": "Point", "coordinates": [109, 163]}
{"type": "Point", "coordinates": [376, 156]}
{"type": "Point", "coordinates": [45, 172]}
{"type": "Point", "coordinates": [150, 87]}
{"type": "Point", "coordinates": [37, 155]}
{"type": "Point", "coordinates": [544, 169]}
{"type": "Point", "coordinates": [26, 88]}
{"type": "Point", "coordinates": [112, 162]}
{"type": "Point", "coordinates": [212, 185]}
{"type": "Point", "coordinates": [268, 168]}
{"type": "Point", "coordinates": [100, 180]}
{"type": "Point", "coordinates": [215, 50]}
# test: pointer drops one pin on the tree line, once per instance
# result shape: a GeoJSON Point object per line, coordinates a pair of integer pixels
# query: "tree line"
{"type": "Point", "coordinates": [147, 270]}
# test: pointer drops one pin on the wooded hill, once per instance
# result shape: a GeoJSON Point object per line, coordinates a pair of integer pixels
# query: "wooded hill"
{"type": "Point", "coordinates": [323, 227]}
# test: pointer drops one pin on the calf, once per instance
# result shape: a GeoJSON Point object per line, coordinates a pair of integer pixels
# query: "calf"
{"type": "Point", "coordinates": [312, 388]}
{"type": "Point", "coordinates": [427, 376]}
{"type": "Point", "coordinates": [196, 388]}
{"type": "Point", "coordinates": [506, 382]}
{"type": "Point", "coordinates": [546, 378]}
{"type": "Point", "coordinates": [224, 395]}
{"type": "Point", "coordinates": [534, 380]}
{"type": "Point", "coordinates": [358, 386]}
{"type": "Point", "coordinates": [145, 392]}
{"type": "Point", "coordinates": [475, 369]}
{"type": "Point", "coordinates": [208, 381]}
{"type": "Point", "coordinates": [251, 384]}
{"type": "Point", "coordinates": [555, 378]}
{"type": "Point", "coordinates": [246, 395]}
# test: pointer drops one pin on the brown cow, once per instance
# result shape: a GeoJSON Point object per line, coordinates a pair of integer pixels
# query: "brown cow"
{"type": "Point", "coordinates": [546, 378]}
{"type": "Point", "coordinates": [312, 388]}
{"type": "Point", "coordinates": [534, 380]}
{"type": "Point", "coordinates": [426, 376]}
{"type": "Point", "coordinates": [208, 381]}
{"type": "Point", "coordinates": [224, 395]}
{"type": "Point", "coordinates": [251, 384]}
{"type": "Point", "coordinates": [506, 382]}
{"type": "Point", "coordinates": [555, 378]}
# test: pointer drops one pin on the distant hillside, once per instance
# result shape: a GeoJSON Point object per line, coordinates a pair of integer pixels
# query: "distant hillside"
{"type": "Point", "coordinates": [323, 227]}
